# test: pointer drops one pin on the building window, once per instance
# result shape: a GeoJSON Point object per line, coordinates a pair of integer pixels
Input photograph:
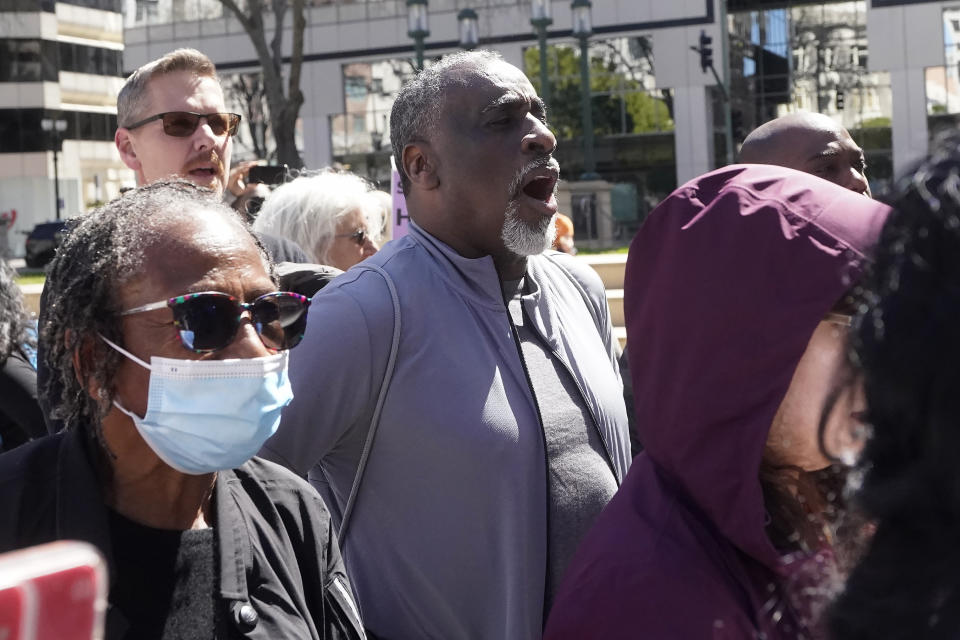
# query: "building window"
{"type": "Point", "coordinates": [624, 97]}
{"type": "Point", "coordinates": [943, 83]}
{"type": "Point", "coordinates": [359, 123]}
{"type": "Point", "coordinates": [27, 6]}
{"type": "Point", "coordinates": [24, 60]}
{"type": "Point", "coordinates": [147, 11]}
{"type": "Point", "coordinates": [20, 130]}
{"type": "Point", "coordinates": [355, 87]}
{"type": "Point", "coordinates": [104, 5]}
{"type": "Point", "coordinates": [81, 58]}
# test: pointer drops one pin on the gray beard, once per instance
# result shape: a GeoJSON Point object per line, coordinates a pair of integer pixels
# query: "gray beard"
{"type": "Point", "coordinates": [522, 239]}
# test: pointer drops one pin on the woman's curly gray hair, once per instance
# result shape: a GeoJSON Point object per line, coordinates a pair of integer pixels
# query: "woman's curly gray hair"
{"type": "Point", "coordinates": [14, 320]}
{"type": "Point", "coordinates": [97, 257]}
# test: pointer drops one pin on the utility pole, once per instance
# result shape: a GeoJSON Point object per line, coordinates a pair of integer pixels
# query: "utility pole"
{"type": "Point", "coordinates": [56, 128]}
{"type": "Point", "coordinates": [418, 27]}
{"type": "Point", "coordinates": [541, 18]}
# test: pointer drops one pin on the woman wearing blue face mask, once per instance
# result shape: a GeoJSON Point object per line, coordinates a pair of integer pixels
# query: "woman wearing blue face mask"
{"type": "Point", "coordinates": [169, 340]}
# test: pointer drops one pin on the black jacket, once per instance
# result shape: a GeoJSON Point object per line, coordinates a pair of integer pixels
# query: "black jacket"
{"type": "Point", "coordinates": [277, 550]}
{"type": "Point", "coordinates": [20, 417]}
{"type": "Point", "coordinates": [282, 250]}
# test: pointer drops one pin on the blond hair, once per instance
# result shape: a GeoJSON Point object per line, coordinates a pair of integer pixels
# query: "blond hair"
{"type": "Point", "coordinates": [133, 96]}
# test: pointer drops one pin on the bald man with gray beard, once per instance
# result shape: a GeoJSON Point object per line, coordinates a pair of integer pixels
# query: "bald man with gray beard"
{"type": "Point", "coordinates": [812, 143]}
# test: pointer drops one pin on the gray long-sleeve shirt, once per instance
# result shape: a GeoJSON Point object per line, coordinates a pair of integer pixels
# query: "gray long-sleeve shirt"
{"type": "Point", "coordinates": [448, 535]}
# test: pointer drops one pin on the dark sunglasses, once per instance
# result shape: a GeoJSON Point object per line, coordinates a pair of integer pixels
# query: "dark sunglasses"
{"type": "Point", "coordinates": [181, 124]}
{"type": "Point", "coordinates": [359, 236]}
{"type": "Point", "coordinates": [209, 320]}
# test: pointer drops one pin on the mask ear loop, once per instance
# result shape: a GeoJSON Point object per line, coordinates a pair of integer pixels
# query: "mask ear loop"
{"type": "Point", "coordinates": [125, 352]}
{"type": "Point", "coordinates": [140, 362]}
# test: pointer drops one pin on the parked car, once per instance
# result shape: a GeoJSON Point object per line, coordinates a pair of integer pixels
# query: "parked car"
{"type": "Point", "coordinates": [42, 243]}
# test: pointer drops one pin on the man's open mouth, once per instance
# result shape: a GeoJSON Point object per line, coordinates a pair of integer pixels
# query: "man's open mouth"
{"type": "Point", "coordinates": [540, 185]}
{"type": "Point", "coordinates": [203, 172]}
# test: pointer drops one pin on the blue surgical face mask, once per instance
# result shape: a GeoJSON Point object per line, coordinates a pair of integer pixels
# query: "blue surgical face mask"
{"type": "Point", "coordinates": [209, 415]}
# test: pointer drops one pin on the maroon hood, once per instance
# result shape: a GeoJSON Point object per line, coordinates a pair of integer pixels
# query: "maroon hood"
{"type": "Point", "coordinates": [725, 284]}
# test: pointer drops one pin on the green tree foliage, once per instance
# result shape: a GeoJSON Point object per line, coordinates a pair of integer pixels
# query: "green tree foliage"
{"type": "Point", "coordinates": [620, 103]}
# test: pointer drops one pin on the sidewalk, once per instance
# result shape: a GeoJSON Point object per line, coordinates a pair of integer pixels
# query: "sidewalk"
{"type": "Point", "coordinates": [31, 292]}
{"type": "Point", "coordinates": [31, 297]}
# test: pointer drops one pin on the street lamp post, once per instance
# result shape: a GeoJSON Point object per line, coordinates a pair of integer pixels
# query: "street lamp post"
{"type": "Point", "coordinates": [55, 127]}
{"type": "Point", "coordinates": [469, 29]}
{"type": "Point", "coordinates": [582, 29]}
{"type": "Point", "coordinates": [418, 27]}
{"type": "Point", "coordinates": [540, 18]}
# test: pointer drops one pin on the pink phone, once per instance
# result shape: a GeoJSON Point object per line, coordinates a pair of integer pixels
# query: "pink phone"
{"type": "Point", "coordinates": [55, 591]}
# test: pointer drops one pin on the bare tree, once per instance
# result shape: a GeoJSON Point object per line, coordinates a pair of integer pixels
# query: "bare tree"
{"type": "Point", "coordinates": [247, 90]}
{"type": "Point", "coordinates": [284, 102]}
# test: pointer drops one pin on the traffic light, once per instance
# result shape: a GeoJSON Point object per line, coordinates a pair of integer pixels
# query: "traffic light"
{"type": "Point", "coordinates": [706, 51]}
{"type": "Point", "coordinates": [839, 101]}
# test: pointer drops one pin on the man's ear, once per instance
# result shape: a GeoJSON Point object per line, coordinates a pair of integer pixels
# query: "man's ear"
{"type": "Point", "coordinates": [419, 165]}
{"type": "Point", "coordinates": [128, 154]}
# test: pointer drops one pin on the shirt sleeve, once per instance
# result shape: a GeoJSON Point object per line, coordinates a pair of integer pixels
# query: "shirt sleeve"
{"type": "Point", "coordinates": [335, 373]}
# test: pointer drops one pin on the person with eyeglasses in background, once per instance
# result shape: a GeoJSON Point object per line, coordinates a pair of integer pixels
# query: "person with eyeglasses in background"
{"type": "Point", "coordinates": [169, 340]}
{"type": "Point", "coordinates": [174, 122]}
{"type": "Point", "coordinates": [333, 215]}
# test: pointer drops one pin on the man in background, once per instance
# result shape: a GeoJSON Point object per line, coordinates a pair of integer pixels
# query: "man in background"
{"type": "Point", "coordinates": [564, 240]}
{"type": "Point", "coordinates": [173, 121]}
{"type": "Point", "coordinates": [812, 143]}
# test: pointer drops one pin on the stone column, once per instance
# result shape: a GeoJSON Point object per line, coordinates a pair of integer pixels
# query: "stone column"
{"type": "Point", "coordinates": [605, 225]}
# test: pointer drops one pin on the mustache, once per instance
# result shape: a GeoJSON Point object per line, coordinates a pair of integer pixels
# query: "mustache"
{"type": "Point", "coordinates": [206, 157]}
{"type": "Point", "coordinates": [540, 162]}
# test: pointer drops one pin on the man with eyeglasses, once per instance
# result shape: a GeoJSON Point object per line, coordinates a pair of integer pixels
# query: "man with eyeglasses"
{"type": "Point", "coordinates": [173, 121]}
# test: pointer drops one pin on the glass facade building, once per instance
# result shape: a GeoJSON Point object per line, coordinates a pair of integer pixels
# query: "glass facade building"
{"type": "Point", "coordinates": [658, 118]}
{"type": "Point", "coordinates": [59, 62]}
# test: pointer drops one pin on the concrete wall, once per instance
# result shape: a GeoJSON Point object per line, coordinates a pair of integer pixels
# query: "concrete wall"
{"type": "Point", "coordinates": [908, 39]}
{"type": "Point", "coordinates": [679, 67]}
{"type": "Point", "coordinates": [26, 179]}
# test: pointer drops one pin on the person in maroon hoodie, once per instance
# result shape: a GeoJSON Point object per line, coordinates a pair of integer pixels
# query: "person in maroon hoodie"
{"type": "Point", "coordinates": [735, 325]}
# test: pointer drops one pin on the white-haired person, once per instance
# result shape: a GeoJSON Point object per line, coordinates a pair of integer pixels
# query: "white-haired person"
{"type": "Point", "coordinates": [331, 215]}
